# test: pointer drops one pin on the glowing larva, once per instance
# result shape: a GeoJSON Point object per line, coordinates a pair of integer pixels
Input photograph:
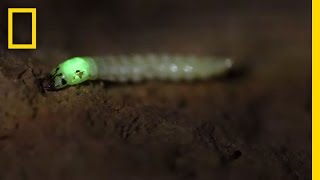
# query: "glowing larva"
{"type": "Point", "coordinates": [135, 68]}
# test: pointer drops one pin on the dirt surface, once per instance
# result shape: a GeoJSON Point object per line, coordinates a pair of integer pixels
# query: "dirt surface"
{"type": "Point", "coordinates": [254, 123]}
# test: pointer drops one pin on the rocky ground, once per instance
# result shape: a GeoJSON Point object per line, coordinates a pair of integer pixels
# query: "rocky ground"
{"type": "Point", "coordinates": [255, 123]}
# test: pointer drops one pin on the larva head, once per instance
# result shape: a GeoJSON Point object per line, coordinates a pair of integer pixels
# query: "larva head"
{"type": "Point", "coordinates": [70, 72]}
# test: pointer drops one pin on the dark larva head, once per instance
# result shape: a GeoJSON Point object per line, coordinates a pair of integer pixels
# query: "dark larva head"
{"type": "Point", "coordinates": [55, 82]}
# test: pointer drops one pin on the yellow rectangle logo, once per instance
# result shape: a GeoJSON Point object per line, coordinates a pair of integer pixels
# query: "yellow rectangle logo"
{"type": "Point", "coordinates": [33, 12]}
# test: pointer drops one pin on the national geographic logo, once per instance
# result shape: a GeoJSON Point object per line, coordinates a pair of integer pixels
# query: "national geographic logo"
{"type": "Point", "coordinates": [33, 12]}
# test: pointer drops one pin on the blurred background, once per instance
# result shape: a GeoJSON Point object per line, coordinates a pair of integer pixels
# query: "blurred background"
{"type": "Point", "coordinates": [255, 124]}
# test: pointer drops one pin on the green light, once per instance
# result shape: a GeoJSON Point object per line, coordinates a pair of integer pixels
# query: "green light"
{"type": "Point", "coordinates": [75, 70]}
{"type": "Point", "coordinates": [70, 72]}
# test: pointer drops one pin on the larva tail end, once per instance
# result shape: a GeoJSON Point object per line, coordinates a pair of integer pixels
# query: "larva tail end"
{"type": "Point", "coordinates": [229, 63]}
{"type": "Point", "coordinates": [237, 71]}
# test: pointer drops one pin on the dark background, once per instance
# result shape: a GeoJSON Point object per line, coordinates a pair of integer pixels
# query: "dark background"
{"type": "Point", "coordinates": [254, 124]}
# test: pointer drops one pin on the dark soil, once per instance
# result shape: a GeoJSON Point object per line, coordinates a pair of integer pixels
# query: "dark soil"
{"type": "Point", "coordinates": [254, 123]}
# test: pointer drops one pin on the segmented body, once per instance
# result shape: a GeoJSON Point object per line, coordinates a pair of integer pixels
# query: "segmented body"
{"type": "Point", "coordinates": [136, 68]}
{"type": "Point", "coordinates": [162, 67]}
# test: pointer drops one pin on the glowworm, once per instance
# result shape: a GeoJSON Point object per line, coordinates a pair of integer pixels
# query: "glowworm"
{"type": "Point", "coordinates": [135, 68]}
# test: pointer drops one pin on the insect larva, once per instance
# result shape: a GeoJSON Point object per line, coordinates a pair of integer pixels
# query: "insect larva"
{"type": "Point", "coordinates": [135, 68]}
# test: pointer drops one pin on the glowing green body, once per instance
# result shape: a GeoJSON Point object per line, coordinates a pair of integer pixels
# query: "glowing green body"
{"type": "Point", "coordinates": [74, 71]}
{"type": "Point", "coordinates": [136, 68]}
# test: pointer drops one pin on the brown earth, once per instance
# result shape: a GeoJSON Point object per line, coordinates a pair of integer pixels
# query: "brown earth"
{"type": "Point", "coordinates": [254, 123]}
